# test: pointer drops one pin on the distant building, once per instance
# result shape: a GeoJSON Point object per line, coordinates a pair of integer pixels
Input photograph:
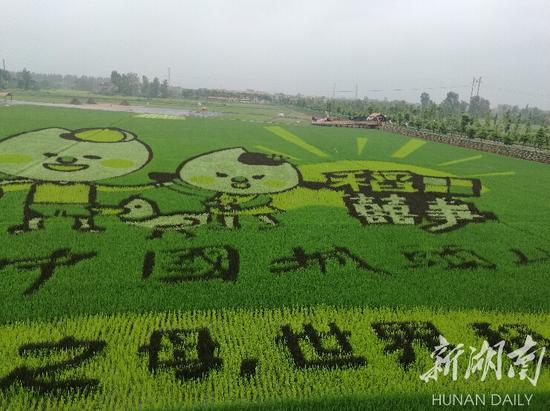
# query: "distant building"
{"type": "Point", "coordinates": [106, 87]}
{"type": "Point", "coordinates": [381, 118]}
{"type": "Point", "coordinates": [330, 122]}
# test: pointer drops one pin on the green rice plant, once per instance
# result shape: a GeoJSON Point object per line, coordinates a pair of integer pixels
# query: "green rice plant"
{"type": "Point", "coordinates": [260, 241]}
{"type": "Point", "coordinates": [178, 359]}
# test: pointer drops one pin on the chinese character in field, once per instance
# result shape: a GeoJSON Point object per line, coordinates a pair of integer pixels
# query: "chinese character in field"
{"type": "Point", "coordinates": [318, 349]}
{"type": "Point", "coordinates": [450, 257]}
{"type": "Point", "coordinates": [349, 181]}
{"type": "Point", "coordinates": [524, 259]}
{"type": "Point", "coordinates": [400, 336]}
{"type": "Point", "coordinates": [46, 265]}
{"type": "Point", "coordinates": [192, 264]}
{"type": "Point", "coordinates": [451, 186]}
{"type": "Point", "coordinates": [393, 182]}
{"type": "Point", "coordinates": [392, 209]}
{"type": "Point", "coordinates": [61, 357]}
{"type": "Point", "coordinates": [444, 363]}
{"type": "Point", "coordinates": [448, 214]}
{"type": "Point", "coordinates": [191, 353]}
{"type": "Point", "coordinates": [366, 209]}
{"type": "Point", "coordinates": [320, 259]}
{"type": "Point", "coordinates": [523, 357]}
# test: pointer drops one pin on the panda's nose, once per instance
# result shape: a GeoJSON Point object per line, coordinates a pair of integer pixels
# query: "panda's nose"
{"type": "Point", "coordinates": [239, 179]}
{"type": "Point", "coordinates": [66, 160]}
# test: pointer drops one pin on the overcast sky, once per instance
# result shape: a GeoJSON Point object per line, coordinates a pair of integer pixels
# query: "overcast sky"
{"type": "Point", "coordinates": [294, 46]}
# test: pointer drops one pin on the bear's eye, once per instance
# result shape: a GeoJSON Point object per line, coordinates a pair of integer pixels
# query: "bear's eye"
{"type": "Point", "coordinates": [92, 157]}
{"type": "Point", "coordinates": [218, 174]}
{"type": "Point", "coordinates": [50, 154]}
{"type": "Point", "coordinates": [258, 176]}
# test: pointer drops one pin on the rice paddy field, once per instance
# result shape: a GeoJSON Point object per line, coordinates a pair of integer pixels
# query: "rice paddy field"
{"type": "Point", "coordinates": [161, 263]}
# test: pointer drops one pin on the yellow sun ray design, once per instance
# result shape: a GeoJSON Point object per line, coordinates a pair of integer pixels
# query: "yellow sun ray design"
{"type": "Point", "coordinates": [460, 160]}
{"type": "Point", "coordinates": [279, 153]}
{"type": "Point", "coordinates": [408, 148]}
{"type": "Point", "coordinates": [361, 142]}
{"type": "Point", "coordinates": [294, 139]}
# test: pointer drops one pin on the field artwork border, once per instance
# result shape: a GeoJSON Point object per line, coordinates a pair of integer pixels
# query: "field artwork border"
{"type": "Point", "coordinates": [190, 231]}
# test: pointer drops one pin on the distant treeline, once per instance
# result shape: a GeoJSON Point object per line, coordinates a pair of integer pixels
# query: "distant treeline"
{"type": "Point", "coordinates": [35, 81]}
{"type": "Point", "coordinates": [126, 84]}
{"type": "Point", "coordinates": [474, 118]}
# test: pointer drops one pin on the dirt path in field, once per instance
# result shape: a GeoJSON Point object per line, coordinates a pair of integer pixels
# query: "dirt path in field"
{"type": "Point", "coordinates": [121, 108]}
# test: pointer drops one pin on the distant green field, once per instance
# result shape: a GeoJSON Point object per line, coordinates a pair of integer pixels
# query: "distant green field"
{"type": "Point", "coordinates": [230, 110]}
{"type": "Point", "coordinates": [117, 228]}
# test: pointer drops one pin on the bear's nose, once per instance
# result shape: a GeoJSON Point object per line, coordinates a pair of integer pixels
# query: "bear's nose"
{"type": "Point", "coordinates": [66, 160]}
{"type": "Point", "coordinates": [239, 179]}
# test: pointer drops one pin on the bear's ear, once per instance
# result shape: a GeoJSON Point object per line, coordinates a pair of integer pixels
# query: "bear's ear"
{"type": "Point", "coordinates": [162, 177]}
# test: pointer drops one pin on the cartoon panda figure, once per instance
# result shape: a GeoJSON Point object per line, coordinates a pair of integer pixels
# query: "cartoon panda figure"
{"type": "Point", "coordinates": [58, 168]}
{"type": "Point", "coordinates": [242, 181]}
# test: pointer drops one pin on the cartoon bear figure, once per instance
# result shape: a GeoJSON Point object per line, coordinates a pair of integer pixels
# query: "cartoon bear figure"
{"type": "Point", "coordinates": [242, 180]}
{"type": "Point", "coordinates": [58, 168]}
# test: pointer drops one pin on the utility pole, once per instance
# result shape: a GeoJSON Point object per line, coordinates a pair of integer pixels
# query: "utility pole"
{"type": "Point", "coordinates": [168, 75]}
{"type": "Point", "coordinates": [334, 90]}
{"type": "Point", "coordinates": [356, 90]}
{"type": "Point", "coordinates": [474, 83]}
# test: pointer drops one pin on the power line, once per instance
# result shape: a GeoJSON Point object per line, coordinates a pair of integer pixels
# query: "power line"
{"type": "Point", "coordinates": [530, 94]}
{"type": "Point", "coordinates": [377, 90]}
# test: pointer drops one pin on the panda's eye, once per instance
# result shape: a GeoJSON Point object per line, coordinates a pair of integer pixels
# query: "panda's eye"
{"type": "Point", "coordinates": [258, 176]}
{"type": "Point", "coordinates": [218, 174]}
{"type": "Point", "coordinates": [92, 157]}
{"type": "Point", "coordinates": [50, 154]}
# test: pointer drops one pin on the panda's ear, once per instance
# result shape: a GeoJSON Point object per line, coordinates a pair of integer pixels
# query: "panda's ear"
{"type": "Point", "coordinates": [161, 177]}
